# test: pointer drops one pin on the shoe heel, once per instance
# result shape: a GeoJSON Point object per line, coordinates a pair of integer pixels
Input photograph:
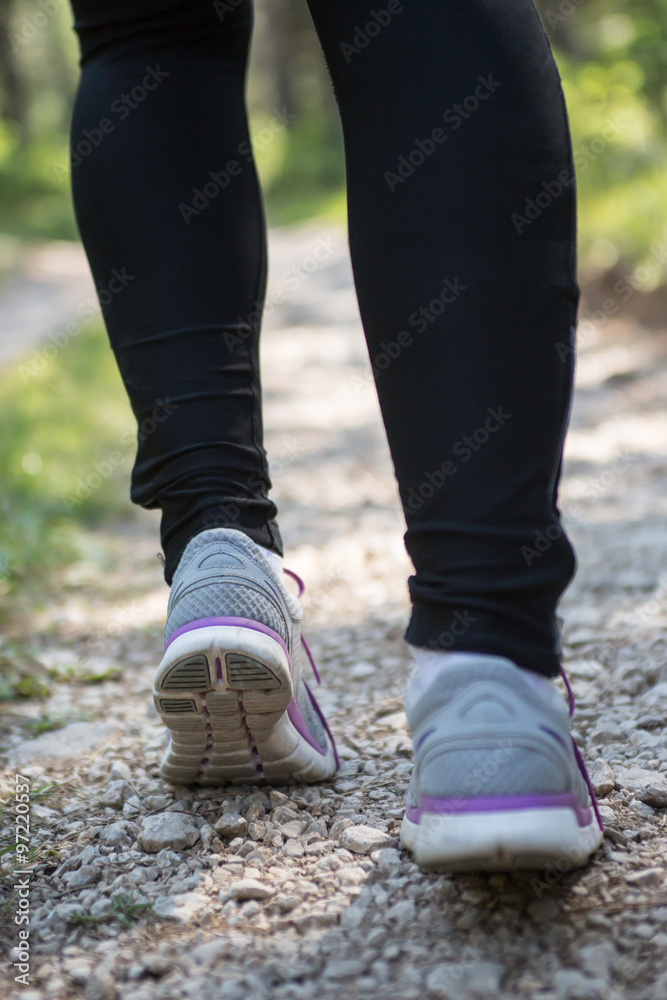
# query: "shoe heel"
{"type": "Point", "coordinates": [220, 690]}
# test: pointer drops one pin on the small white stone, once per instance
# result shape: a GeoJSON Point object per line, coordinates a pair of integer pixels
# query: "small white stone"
{"type": "Point", "coordinates": [115, 794]}
{"type": "Point", "coordinates": [387, 858]}
{"type": "Point", "coordinates": [62, 913]}
{"type": "Point", "coordinates": [173, 830]}
{"type": "Point", "coordinates": [183, 906]}
{"type": "Point", "coordinates": [100, 907]}
{"type": "Point", "coordinates": [602, 777]}
{"type": "Point", "coordinates": [114, 835]}
{"type": "Point", "coordinates": [656, 695]}
{"type": "Point", "coordinates": [343, 968]}
{"type": "Point", "coordinates": [440, 980]}
{"type": "Point", "coordinates": [401, 912]}
{"type": "Point", "coordinates": [607, 814]}
{"type": "Point", "coordinates": [209, 952]}
{"type": "Point", "coordinates": [231, 824]}
{"type": "Point", "coordinates": [293, 828]}
{"type": "Point", "coordinates": [293, 849]}
{"type": "Point", "coordinates": [364, 839]}
{"type": "Point", "coordinates": [119, 769]}
{"type": "Point", "coordinates": [360, 671]}
{"type": "Point", "coordinates": [646, 878]}
{"type": "Point", "coordinates": [78, 971]}
{"type": "Point", "coordinates": [648, 786]}
{"type": "Point", "coordinates": [320, 847]}
{"type": "Point", "coordinates": [86, 875]}
{"type": "Point", "coordinates": [249, 888]}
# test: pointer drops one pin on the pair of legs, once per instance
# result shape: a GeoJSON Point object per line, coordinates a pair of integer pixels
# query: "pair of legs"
{"type": "Point", "coordinates": [453, 119]}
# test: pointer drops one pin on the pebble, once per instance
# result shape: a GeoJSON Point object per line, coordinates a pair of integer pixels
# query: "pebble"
{"type": "Point", "coordinates": [596, 959]}
{"type": "Point", "coordinates": [364, 839]}
{"type": "Point", "coordinates": [649, 786]}
{"type": "Point", "coordinates": [250, 888]}
{"type": "Point", "coordinates": [344, 969]}
{"type": "Point", "coordinates": [607, 814]}
{"type": "Point", "coordinates": [231, 824]}
{"type": "Point", "coordinates": [181, 906]}
{"type": "Point", "coordinates": [386, 858]}
{"type": "Point", "coordinates": [115, 794]}
{"type": "Point", "coordinates": [86, 875]}
{"type": "Point", "coordinates": [646, 878]}
{"type": "Point", "coordinates": [171, 830]}
{"type": "Point", "coordinates": [441, 981]}
{"type": "Point", "coordinates": [292, 828]}
{"type": "Point", "coordinates": [64, 912]}
{"type": "Point", "coordinates": [119, 769]}
{"type": "Point", "coordinates": [655, 696]}
{"type": "Point", "coordinates": [78, 970]}
{"type": "Point", "coordinates": [602, 777]}
{"type": "Point", "coordinates": [114, 835]}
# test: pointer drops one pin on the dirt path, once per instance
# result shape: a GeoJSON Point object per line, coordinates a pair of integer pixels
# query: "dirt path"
{"type": "Point", "coordinates": [248, 893]}
{"type": "Point", "coordinates": [49, 287]}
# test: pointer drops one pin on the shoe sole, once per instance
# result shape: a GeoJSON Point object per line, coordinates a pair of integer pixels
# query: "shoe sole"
{"type": "Point", "coordinates": [500, 841]}
{"type": "Point", "coordinates": [224, 692]}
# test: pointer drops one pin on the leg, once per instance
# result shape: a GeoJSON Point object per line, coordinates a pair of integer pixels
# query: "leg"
{"type": "Point", "coordinates": [453, 116]}
{"type": "Point", "coordinates": [170, 212]}
{"type": "Point", "coordinates": [167, 197]}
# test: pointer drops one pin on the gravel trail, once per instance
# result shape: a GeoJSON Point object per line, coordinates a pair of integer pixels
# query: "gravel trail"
{"type": "Point", "coordinates": [143, 891]}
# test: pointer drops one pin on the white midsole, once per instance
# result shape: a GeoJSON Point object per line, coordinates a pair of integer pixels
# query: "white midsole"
{"type": "Point", "coordinates": [212, 747]}
{"type": "Point", "coordinates": [544, 833]}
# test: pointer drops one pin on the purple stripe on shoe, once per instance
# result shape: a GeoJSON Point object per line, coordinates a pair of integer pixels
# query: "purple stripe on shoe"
{"type": "Point", "coordinates": [239, 622]}
{"type": "Point", "coordinates": [296, 719]}
{"type": "Point", "coordinates": [566, 800]}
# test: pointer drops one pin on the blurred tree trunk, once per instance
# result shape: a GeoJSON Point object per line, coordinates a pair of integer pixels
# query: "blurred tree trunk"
{"type": "Point", "coordinates": [13, 92]}
{"type": "Point", "coordinates": [282, 49]}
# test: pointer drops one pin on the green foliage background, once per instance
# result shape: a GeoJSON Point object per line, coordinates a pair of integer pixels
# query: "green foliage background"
{"type": "Point", "coordinates": [611, 54]}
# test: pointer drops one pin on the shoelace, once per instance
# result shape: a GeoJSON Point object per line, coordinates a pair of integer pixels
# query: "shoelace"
{"type": "Point", "coordinates": [577, 753]}
{"type": "Point", "coordinates": [302, 589]}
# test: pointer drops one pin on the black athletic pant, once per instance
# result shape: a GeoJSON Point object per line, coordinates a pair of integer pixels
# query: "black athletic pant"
{"type": "Point", "coordinates": [462, 236]}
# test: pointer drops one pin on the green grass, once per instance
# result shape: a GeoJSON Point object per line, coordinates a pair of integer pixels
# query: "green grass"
{"type": "Point", "coordinates": [124, 908]}
{"type": "Point", "coordinates": [302, 171]}
{"type": "Point", "coordinates": [63, 413]}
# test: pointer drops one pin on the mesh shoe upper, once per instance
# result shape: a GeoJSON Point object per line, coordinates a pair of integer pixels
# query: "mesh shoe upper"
{"type": "Point", "coordinates": [224, 574]}
{"type": "Point", "coordinates": [482, 731]}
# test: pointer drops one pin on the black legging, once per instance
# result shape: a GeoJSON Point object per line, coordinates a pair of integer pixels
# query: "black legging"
{"type": "Point", "coordinates": [462, 236]}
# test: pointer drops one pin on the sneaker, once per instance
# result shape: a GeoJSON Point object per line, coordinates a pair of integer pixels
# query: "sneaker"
{"type": "Point", "coordinates": [230, 687]}
{"type": "Point", "coordinates": [498, 782]}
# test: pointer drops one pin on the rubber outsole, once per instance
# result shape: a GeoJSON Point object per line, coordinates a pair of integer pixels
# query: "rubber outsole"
{"type": "Point", "coordinates": [506, 840]}
{"type": "Point", "coordinates": [223, 693]}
